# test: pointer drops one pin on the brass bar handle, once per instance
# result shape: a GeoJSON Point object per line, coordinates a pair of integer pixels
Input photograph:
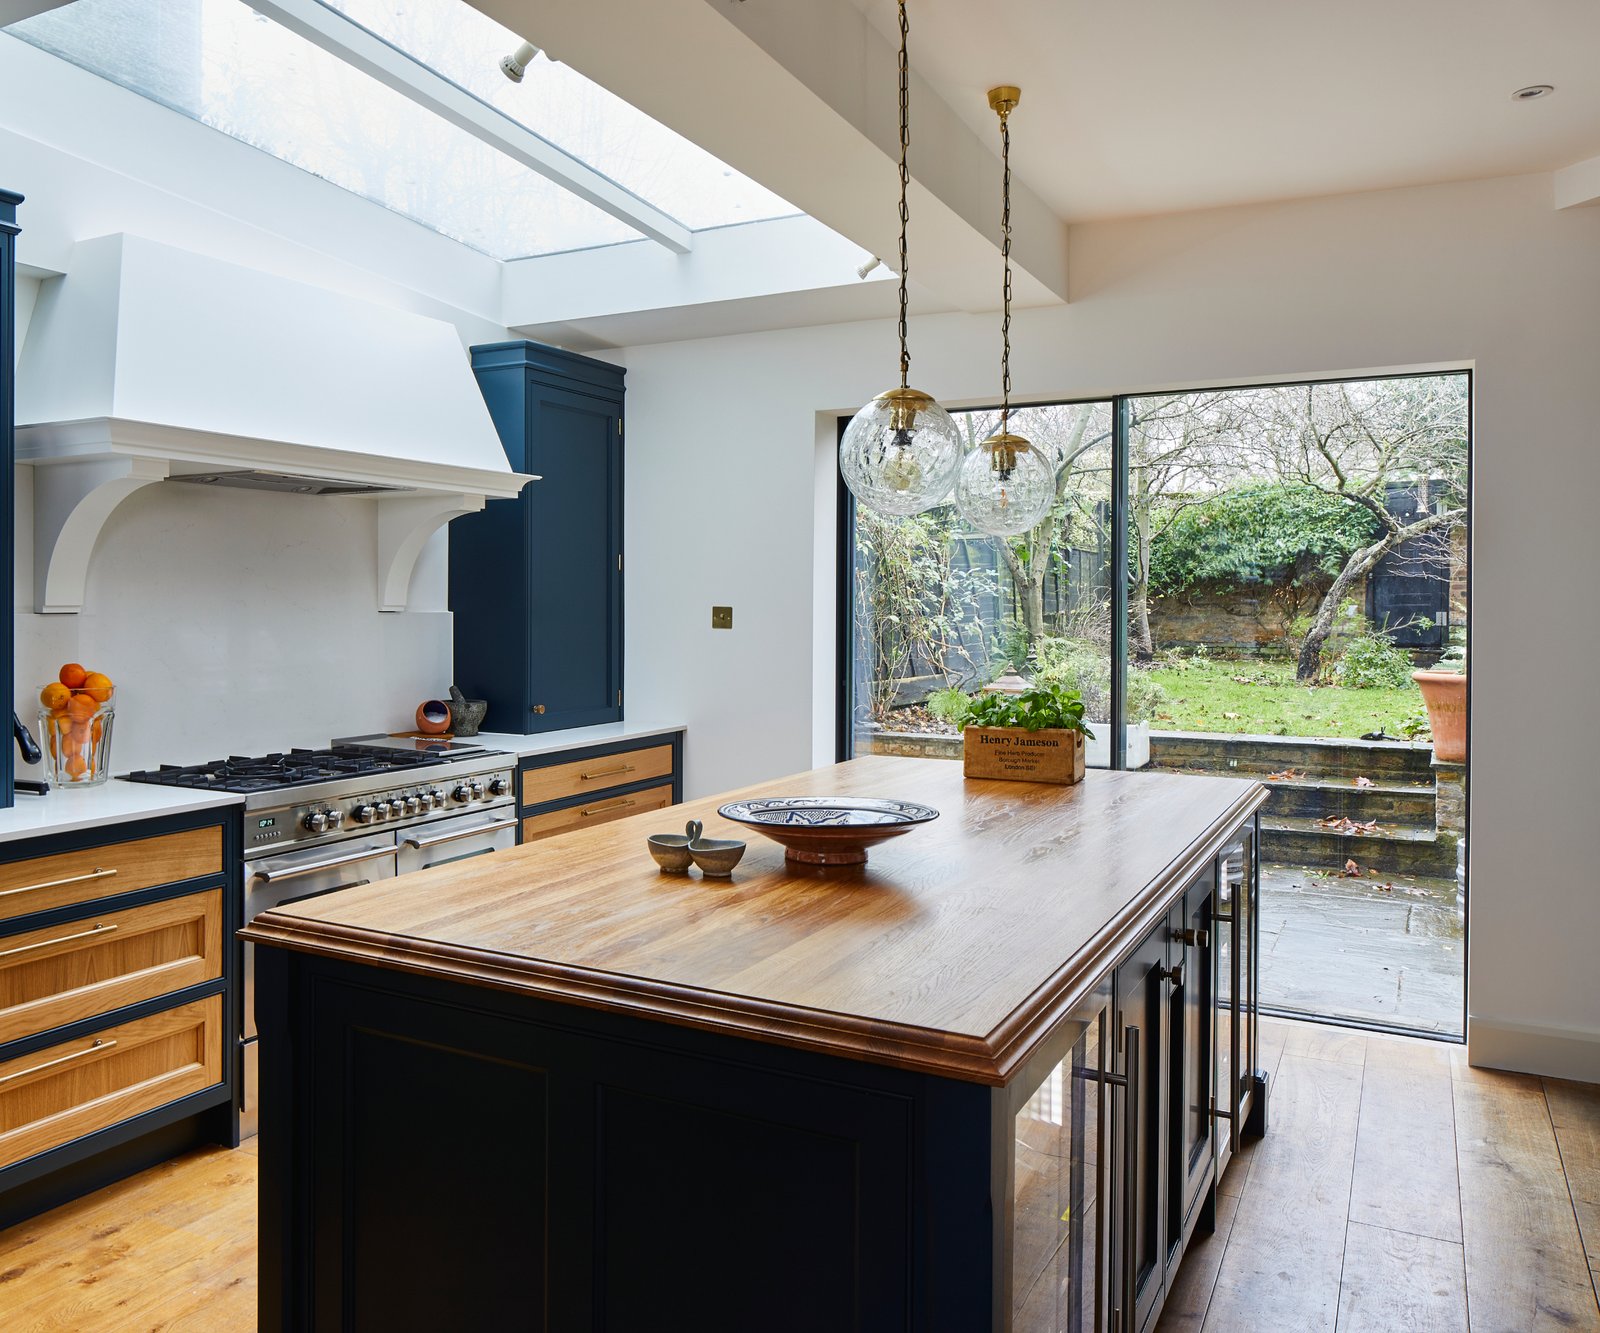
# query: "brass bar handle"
{"type": "Point", "coordinates": [602, 809]}
{"type": "Point", "coordinates": [99, 929]}
{"type": "Point", "coordinates": [1130, 1158]}
{"type": "Point", "coordinates": [96, 873]}
{"type": "Point", "coordinates": [605, 773]}
{"type": "Point", "coordinates": [98, 1046]}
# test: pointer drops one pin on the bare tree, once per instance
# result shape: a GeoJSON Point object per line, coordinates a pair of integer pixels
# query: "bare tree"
{"type": "Point", "coordinates": [1356, 441]}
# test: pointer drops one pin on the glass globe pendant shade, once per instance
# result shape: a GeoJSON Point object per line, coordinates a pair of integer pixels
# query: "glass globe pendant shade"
{"type": "Point", "coordinates": [900, 453]}
{"type": "Point", "coordinates": [1005, 487]}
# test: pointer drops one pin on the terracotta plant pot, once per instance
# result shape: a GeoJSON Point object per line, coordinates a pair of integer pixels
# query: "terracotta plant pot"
{"type": "Point", "coordinates": [1445, 694]}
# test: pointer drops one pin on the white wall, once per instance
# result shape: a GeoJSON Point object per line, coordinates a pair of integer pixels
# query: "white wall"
{"type": "Point", "coordinates": [724, 504]}
{"type": "Point", "coordinates": [230, 621]}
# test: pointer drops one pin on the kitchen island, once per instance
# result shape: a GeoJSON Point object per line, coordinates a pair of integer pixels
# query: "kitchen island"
{"type": "Point", "coordinates": [988, 1080]}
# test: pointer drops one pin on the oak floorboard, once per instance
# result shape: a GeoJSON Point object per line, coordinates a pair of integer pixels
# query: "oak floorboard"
{"type": "Point", "coordinates": [1526, 1269]}
{"type": "Point", "coordinates": [1394, 1280]}
{"type": "Point", "coordinates": [1282, 1263]}
{"type": "Point", "coordinates": [1323, 1041]}
{"type": "Point", "coordinates": [173, 1247]}
{"type": "Point", "coordinates": [1190, 1296]}
{"type": "Point", "coordinates": [1405, 1176]}
{"type": "Point", "coordinates": [1575, 1116]}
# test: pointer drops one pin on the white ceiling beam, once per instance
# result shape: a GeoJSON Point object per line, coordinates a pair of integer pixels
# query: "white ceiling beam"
{"type": "Point", "coordinates": [14, 11]}
{"type": "Point", "coordinates": [1578, 184]}
{"type": "Point", "coordinates": [803, 98]}
{"type": "Point", "coordinates": [366, 51]}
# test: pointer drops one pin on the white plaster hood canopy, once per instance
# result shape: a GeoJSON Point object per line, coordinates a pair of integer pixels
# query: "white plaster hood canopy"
{"type": "Point", "coordinates": [146, 363]}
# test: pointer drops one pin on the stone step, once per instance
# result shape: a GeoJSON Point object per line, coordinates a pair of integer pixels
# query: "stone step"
{"type": "Point", "coordinates": [1391, 802]}
{"type": "Point", "coordinates": [1402, 849]}
{"type": "Point", "coordinates": [1318, 760]}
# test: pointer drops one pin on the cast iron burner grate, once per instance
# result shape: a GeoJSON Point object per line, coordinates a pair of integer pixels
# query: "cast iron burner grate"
{"type": "Point", "coordinates": [292, 769]}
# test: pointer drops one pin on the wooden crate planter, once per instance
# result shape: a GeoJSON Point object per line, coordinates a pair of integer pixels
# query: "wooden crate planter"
{"type": "Point", "coordinates": [1018, 755]}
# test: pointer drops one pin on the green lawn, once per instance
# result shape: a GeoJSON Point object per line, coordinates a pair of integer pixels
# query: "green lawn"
{"type": "Point", "coordinates": [1262, 698]}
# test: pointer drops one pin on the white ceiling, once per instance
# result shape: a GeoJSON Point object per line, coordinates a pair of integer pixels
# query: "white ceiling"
{"type": "Point", "coordinates": [1157, 106]}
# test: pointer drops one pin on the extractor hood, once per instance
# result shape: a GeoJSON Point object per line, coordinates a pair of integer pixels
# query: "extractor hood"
{"type": "Point", "coordinates": [148, 364]}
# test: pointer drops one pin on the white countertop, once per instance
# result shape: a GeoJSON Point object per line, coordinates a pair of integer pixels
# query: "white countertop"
{"type": "Point", "coordinates": [113, 802]}
{"type": "Point", "coordinates": [553, 742]}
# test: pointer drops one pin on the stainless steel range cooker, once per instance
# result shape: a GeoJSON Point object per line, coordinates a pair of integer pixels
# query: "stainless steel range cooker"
{"type": "Point", "coordinates": [317, 821]}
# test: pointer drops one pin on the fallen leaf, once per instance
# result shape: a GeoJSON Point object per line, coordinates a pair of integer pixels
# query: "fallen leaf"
{"type": "Point", "coordinates": [1288, 775]}
{"type": "Point", "coordinates": [1232, 717]}
{"type": "Point", "coordinates": [1363, 782]}
{"type": "Point", "coordinates": [1352, 870]}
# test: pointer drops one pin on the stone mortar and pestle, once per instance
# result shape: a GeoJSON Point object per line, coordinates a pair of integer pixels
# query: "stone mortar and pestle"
{"type": "Point", "coordinates": [466, 715]}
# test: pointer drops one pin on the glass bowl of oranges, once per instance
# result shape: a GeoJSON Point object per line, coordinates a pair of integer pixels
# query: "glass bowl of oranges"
{"type": "Point", "coordinates": [75, 717]}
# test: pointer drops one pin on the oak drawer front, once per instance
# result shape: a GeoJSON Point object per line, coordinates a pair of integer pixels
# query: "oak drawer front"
{"type": "Point", "coordinates": [596, 812]}
{"type": "Point", "coordinates": [64, 973]}
{"type": "Point", "coordinates": [584, 777]}
{"type": "Point", "coordinates": [43, 882]}
{"type": "Point", "coordinates": [64, 1092]}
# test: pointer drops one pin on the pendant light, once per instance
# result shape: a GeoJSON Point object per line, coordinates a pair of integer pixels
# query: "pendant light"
{"type": "Point", "coordinates": [900, 453]}
{"type": "Point", "coordinates": [1006, 484]}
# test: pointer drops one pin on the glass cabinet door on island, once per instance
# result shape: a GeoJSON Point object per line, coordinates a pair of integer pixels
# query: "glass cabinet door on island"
{"type": "Point", "coordinates": [1060, 1186]}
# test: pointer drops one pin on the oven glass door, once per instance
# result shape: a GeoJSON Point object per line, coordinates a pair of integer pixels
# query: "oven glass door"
{"type": "Point", "coordinates": [457, 839]}
{"type": "Point", "coordinates": [295, 876]}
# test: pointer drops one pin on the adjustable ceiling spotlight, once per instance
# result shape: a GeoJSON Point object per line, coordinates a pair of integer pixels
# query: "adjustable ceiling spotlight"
{"type": "Point", "coordinates": [515, 65]}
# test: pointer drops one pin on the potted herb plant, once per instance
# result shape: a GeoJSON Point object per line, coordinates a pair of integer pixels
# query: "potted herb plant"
{"type": "Point", "coordinates": [1444, 692]}
{"type": "Point", "coordinates": [1033, 736]}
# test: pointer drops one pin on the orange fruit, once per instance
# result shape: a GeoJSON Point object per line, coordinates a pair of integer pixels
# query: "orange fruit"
{"type": "Point", "coordinates": [97, 687]}
{"type": "Point", "coordinates": [81, 707]}
{"type": "Point", "coordinates": [77, 766]}
{"type": "Point", "coordinates": [72, 675]}
{"type": "Point", "coordinates": [54, 696]}
{"type": "Point", "coordinates": [97, 731]}
{"type": "Point", "coordinates": [63, 723]}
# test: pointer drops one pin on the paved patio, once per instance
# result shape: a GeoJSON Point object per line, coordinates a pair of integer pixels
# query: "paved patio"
{"type": "Point", "coordinates": [1383, 950]}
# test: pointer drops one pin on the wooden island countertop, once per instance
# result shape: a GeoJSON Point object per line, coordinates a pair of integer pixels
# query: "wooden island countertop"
{"type": "Point", "coordinates": [953, 951]}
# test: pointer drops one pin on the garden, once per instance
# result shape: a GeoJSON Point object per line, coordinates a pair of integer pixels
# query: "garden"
{"type": "Point", "coordinates": [1293, 555]}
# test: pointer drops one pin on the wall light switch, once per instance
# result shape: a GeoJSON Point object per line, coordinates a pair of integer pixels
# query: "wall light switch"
{"type": "Point", "coordinates": [722, 617]}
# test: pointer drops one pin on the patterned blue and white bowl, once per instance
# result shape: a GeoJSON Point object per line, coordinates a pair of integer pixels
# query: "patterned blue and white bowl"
{"type": "Point", "coordinates": [829, 830]}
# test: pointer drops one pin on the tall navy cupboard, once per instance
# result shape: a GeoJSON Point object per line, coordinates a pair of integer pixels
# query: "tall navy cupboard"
{"type": "Point", "coordinates": [8, 361]}
{"type": "Point", "coordinates": [536, 582]}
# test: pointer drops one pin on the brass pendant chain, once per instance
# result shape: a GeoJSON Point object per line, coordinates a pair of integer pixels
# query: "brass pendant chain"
{"type": "Point", "coordinates": [905, 181]}
{"type": "Point", "coordinates": [1005, 251]}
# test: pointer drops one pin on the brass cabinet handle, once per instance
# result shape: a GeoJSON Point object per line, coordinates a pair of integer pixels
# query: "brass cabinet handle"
{"type": "Point", "coordinates": [602, 809]}
{"type": "Point", "coordinates": [98, 1046]}
{"type": "Point", "coordinates": [605, 773]}
{"type": "Point", "coordinates": [99, 929]}
{"type": "Point", "coordinates": [96, 873]}
{"type": "Point", "coordinates": [1199, 939]}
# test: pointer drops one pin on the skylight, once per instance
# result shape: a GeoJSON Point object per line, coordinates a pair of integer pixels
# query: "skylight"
{"type": "Point", "coordinates": [576, 114]}
{"type": "Point", "coordinates": [237, 71]}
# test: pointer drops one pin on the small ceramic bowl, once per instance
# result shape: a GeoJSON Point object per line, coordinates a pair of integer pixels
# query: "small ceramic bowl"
{"type": "Point", "coordinates": [671, 852]}
{"type": "Point", "coordinates": [716, 857]}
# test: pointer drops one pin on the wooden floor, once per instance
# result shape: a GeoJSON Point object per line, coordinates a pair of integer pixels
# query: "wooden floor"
{"type": "Point", "coordinates": [1397, 1190]}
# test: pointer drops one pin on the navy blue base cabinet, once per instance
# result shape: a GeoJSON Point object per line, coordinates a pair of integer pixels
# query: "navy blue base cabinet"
{"type": "Point", "coordinates": [536, 582]}
{"type": "Point", "coordinates": [8, 360]}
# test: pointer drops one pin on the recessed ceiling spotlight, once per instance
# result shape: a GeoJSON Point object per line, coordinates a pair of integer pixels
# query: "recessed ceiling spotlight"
{"type": "Point", "coordinates": [1532, 92]}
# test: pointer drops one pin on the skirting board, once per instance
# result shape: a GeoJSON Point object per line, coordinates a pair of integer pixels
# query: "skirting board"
{"type": "Point", "coordinates": [1557, 1052]}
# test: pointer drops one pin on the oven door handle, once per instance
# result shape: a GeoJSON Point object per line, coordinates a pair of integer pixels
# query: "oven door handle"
{"type": "Point", "coordinates": [311, 867]}
{"type": "Point", "coordinates": [495, 827]}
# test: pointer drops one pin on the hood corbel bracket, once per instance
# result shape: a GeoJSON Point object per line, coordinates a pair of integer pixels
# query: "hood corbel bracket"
{"type": "Point", "coordinates": [72, 501]}
{"type": "Point", "coordinates": [404, 525]}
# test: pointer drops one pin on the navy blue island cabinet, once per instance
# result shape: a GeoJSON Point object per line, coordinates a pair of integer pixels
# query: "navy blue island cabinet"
{"type": "Point", "coordinates": [536, 582]}
{"type": "Point", "coordinates": [8, 360]}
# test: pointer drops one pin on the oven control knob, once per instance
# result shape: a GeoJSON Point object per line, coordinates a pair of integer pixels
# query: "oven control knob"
{"type": "Point", "coordinates": [413, 805]}
{"type": "Point", "coordinates": [477, 791]}
{"type": "Point", "coordinates": [462, 793]}
{"type": "Point", "coordinates": [315, 822]}
{"type": "Point", "coordinates": [364, 814]}
{"type": "Point", "coordinates": [499, 787]}
{"type": "Point", "coordinates": [427, 800]}
{"type": "Point", "coordinates": [335, 820]}
{"type": "Point", "coordinates": [382, 807]}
